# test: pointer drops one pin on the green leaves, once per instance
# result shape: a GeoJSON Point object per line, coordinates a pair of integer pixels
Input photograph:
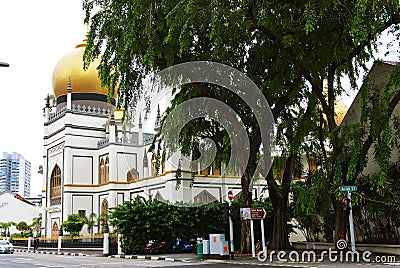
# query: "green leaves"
{"type": "Point", "coordinates": [141, 220]}
{"type": "Point", "coordinates": [74, 224]}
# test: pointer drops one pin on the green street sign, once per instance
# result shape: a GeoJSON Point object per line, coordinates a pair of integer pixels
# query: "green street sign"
{"type": "Point", "coordinates": [352, 188]}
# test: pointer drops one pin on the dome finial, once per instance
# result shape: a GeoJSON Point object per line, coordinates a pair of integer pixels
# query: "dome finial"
{"type": "Point", "coordinates": [140, 120]}
{"type": "Point", "coordinates": [84, 41]}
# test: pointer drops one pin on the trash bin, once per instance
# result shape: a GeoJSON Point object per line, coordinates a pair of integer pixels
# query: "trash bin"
{"type": "Point", "coordinates": [200, 250]}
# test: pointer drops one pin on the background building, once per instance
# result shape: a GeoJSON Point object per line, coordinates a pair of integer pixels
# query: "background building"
{"type": "Point", "coordinates": [15, 174]}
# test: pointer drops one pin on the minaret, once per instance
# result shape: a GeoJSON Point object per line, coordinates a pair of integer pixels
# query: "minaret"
{"type": "Point", "coordinates": [112, 128]}
{"type": "Point", "coordinates": [140, 130]}
{"type": "Point", "coordinates": [158, 120]}
{"type": "Point", "coordinates": [145, 164]}
{"type": "Point", "coordinates": [69, 94]}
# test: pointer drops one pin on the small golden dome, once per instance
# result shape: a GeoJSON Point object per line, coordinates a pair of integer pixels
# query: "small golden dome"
{"type": "Point", "coordinates": [71, 66]}
{"type": "Point", "coordinates": [341, 110]}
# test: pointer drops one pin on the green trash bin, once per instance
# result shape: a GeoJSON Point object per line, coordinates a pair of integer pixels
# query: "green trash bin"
{"type": "Point", "coordinates": [200, 250]}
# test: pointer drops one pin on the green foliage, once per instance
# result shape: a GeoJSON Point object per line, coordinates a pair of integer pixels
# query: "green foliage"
{"type": "Point", "coordinates": [91, 222]}
{"type": "Point", "coordinates": [141, 220]}
{"type": "Point", "coordinates": [74, 224]}
{"type": "Point", "coordinates": [376, 210]}
{"type": "Point", "coordinates": [22, 226]}
{"type": "Point", "coordinates": [165, 222]}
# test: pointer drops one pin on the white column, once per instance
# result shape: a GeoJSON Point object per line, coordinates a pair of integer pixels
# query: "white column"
{"type": "Point", "coordinates": [119, 244]}
{"type": "Point", "coordinates": [69, 94]}
{"type": "Point", "coordinates": [29, 243]}
{"type": "Point", "coordinates": [112, 133]}
{"type": "Point", "coordinates": [106, 245]}
{"type": "Point", "coordinates": [59, 244]}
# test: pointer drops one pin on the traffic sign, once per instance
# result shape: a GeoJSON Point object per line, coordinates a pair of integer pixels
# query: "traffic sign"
{"type": "Point", "coordinates": [258, 213]}
{"type": "Point", "coordinates": [352, 188]}
{"type": "Point", "coordinates": [230, 195]}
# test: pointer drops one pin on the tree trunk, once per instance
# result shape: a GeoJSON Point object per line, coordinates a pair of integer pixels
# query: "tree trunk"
{"type": "Point", "coordinates": [280, 239]}
{"type": "Point", "coordinates": [245, 242]}
{"type": "Point", "coordinates": [340, 221]}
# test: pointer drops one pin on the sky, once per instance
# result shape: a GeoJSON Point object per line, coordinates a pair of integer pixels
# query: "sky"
{"type": "Point", "coordinates": [34, 35]}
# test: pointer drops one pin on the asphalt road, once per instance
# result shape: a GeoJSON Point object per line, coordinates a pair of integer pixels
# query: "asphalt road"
{"type": "Point", "coordinates": [34, 260]}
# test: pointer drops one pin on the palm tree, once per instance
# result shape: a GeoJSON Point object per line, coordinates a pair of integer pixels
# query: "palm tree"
{"type": "Point", "coordinates": [91, 222]}
{"type": "Point", "coordinates": [2, 227]}
{"type": "Point", "coordinates": [6, 226]}
{"type": "Point", "coordinates": [37, 223]}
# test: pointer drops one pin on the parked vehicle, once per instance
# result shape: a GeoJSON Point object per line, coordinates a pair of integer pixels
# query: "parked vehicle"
{"type": "Point", "coordinates": [182, 247]}
{"type": "Point", "coordinates": [6, 247]}
{"type": "Point", "coordinates": [154, 246]}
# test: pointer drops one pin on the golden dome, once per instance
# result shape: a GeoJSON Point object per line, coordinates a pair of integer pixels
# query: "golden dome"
{"type": "Point", "coordinates": [71, 66]}
{"type": "Point", "coordinates": [341, 110]}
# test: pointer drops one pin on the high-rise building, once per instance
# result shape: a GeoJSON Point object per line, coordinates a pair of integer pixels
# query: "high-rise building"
{"type": "Point", "coordinates": [15, 174]}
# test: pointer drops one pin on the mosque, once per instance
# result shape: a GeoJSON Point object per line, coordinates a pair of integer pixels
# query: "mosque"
{"type": "Point", "coordinates": [95, 160]}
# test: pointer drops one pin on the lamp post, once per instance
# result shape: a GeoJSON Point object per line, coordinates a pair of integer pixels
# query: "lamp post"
{"type": "Point", "coordinates": [4, 64]}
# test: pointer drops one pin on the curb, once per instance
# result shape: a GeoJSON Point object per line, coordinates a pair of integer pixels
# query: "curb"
{"type": "Point", "coordinates": [153, 258]}
{"type": "Point", "coordinates": [51, 252]}
{"type": "Point", "coordinates": [139, 257]}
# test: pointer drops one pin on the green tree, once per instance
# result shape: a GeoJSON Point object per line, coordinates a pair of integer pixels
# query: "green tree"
{"type": "Point", "coordinates": [91, 222]}
{"type": "Point", "coordinates": [22, 226]}
{"type": "Point", "coordinates": [287, 49]}
{"type": "Point", "coordinates": [6, 227]}
{"type": "Point", "coordinates": [74, 224]}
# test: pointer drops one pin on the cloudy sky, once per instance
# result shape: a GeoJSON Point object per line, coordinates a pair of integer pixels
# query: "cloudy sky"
{"type": "Point", "coordinates": [34, 35]}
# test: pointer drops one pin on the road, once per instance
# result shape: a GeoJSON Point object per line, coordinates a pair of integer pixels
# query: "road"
{"type": "Point", "coordinates": [31, 260]}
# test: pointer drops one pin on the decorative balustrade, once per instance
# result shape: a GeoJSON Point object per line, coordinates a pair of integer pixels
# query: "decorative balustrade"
{"type": "Point", "coordinates": [90, 110]}
{"type": "Point", "coordinates": [55, 201]}
{"type": "Point", "coordinates": [133, 140]}
{"type": "Point", "coordinates": [81, 109]}
{"type": "Point", "coordinates": [59, 113]}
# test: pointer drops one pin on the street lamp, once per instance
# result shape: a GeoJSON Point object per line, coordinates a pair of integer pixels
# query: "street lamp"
{"type": "Point", "coordinates": [4, 64]}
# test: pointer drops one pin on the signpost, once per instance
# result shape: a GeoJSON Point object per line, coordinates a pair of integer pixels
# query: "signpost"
{"type": "Point", "coordinates": [230, 198]}
{"type": "Point", "coordinates": [255, 214]}
{"type": "Point", "coordinates": [349, 189]}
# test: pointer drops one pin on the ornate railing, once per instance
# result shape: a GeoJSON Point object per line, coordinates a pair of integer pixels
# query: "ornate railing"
{"type": "Point", "coordinates": [55, 201]}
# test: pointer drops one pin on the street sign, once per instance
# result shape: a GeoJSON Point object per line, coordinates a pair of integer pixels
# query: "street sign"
{"type": "Point", "coordinates": [257, 213]}
{"type": "Point", "coordinates": [352, 188]}
{"type": "Point", "coordinates": [245, 213]}
{"type": "Point", "coordinates": [230, 195]}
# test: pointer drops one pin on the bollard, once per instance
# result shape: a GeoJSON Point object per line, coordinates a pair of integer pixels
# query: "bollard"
{"type": "Point", "coordinates": [29, 243]}
{"type": "Point", "coordinates": [106, 244]}
{"type": "Point", "coordinates": [119, 244]}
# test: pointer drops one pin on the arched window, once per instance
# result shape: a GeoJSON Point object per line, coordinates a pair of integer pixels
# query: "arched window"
{"type": "Point", "coordinates": [54, 230]}
{"type": "Point", "coordinates": [104, 207]}
{"type": "Point", "coordinates": [133, 175]}
{"type": "Point", "coordinates": [104, 212]}
{"type": "Point", "coordinates": [107, 170]}
{"type": "Point", "coordinates": [153, 164]}
{"type": "Point", "coordinates": [102, 169]}
{"type": "Point", "coordinates": [55, 186]}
